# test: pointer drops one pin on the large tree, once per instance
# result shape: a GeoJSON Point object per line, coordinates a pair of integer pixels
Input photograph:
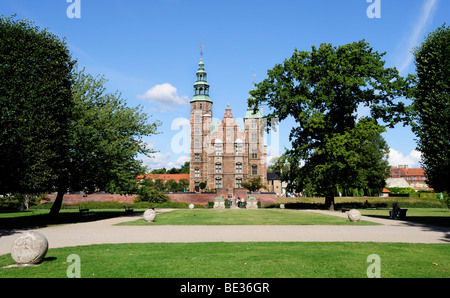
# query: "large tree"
{"type": "Point", "coordinates": [106, 137]}
{"type": "Point", "coordinates": [431, 107]}
{"type": "Point", "coordinates": [35, 107]}
{"type": "Point", "coordinates": [321, 90]}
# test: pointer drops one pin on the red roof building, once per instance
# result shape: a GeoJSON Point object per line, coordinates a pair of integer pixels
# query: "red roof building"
{"type": "Point", "coordinates": [416, 177]}
{"type": "Point", "coordinates": [165, 177]}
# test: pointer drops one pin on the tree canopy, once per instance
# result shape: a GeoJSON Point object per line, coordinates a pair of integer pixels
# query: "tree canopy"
{"type": "Point", "coordinates": [106, 137]}
{"type": "Point", "coordinates": [321, 90]}
{"type": "Point", "coordinates": [36, 105]}
{"type": "Point", "coordinates": [59, 127]}
{"type": "Point", "coordinates": [431, 107]}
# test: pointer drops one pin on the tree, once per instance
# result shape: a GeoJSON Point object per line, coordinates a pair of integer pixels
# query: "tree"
{"type": "Point", "coordinates": [431, 107]}
{"type": "Point", "coordinates": [322, 90]}
{"type": "Point", "coordinates": [254, 184]}
{"type": "Point", "coordinates": [106, 137]}
{"type": "Point", "coordinates": [35, 107]}
{"type": "Point", "coordinates": [278, 164]}
{"type": "Point", "coordinates": [148, 191]}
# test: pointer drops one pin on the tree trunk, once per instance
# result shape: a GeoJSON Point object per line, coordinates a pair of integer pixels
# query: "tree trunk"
{"type": "Point", "coordinates": [329, 202]}
{"type": "Point", "coordinates": [56, 207]}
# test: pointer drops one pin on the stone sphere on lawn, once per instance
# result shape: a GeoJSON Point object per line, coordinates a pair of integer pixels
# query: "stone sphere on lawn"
{"type": "Point", "coordinates": [30, 248]}
{"type": "Point", "coordinates": [354, 215]}
{"type": "Point", "coordinates": [191, 206]}
{"type": "Point", "coordinates": [149, 215]}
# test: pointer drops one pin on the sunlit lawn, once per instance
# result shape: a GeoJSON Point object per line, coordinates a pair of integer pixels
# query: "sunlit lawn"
{"type": "Point", "coordinates": [242, 260]}
{"type": "Point", "coordinates": [245, 217]}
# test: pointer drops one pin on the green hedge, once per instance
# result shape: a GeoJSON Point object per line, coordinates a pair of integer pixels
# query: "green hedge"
{"type": "Point", "coordinates": [117, 205]}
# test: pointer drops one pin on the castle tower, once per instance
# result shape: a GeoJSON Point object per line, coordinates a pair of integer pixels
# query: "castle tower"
{"type": "Point", "coordinates": [255, 146]}
{"type": "Point", "coordinates": [200, 121]}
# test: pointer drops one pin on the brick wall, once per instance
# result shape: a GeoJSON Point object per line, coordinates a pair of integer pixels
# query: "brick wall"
{"type": "Point", "coordinates": [194, 198]}
{"type": "Point", "coordinates": [75, 199]}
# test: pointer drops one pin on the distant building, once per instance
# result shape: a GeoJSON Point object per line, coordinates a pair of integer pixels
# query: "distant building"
{"type": "Point", "coordinates": [415, 177]}
{"type": "Point", "coordinates": [274, 183]}
{"type": "Point", "coordinates": [164, 177]}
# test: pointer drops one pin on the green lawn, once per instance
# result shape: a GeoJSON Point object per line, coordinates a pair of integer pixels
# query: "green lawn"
{"type": "Point", "coordinates": [433, 216]}
{"type": "Point", "coordinates": [245, 217]}
{"type": "Point", "coordinates": [242, 260]}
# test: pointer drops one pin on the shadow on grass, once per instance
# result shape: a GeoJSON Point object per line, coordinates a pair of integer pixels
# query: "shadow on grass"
{"type": "Point", "coordinates": [11, 226]}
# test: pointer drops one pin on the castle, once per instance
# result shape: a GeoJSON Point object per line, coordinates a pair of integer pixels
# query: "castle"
{"type": "Point", "coordinates": [222, 155]}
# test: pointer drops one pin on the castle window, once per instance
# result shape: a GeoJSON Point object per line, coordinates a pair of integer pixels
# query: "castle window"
{"type": "Point", "coordinates": [218, 182]}
{"type": "Point", "coordinates": [238, 182]}
{"type": "Point", "coordinates": [201, 106]}
{"type": "Point", "coordinates": [254, 153]}
{"type": "Point", "coordinates": [197, 173]}
{"type": "Point", "coordinates": [218, 168]}
{"type": "Point", "coordinates": [254, 138]}
{"type": "Point", "coordinates": [197, 158]}
{"type": "Point", "coordinates": [239, 168]}
{"type": "Point", "coordinates": [254, 170]}
{"type": "Point", "coordinates": [197, 143]}
{"type": "Point", "coordinates": [197, 130]}
{"type": "Point", "coordinates": [253, 123]}
{"type": "Point", "coordinates": [218, 148]}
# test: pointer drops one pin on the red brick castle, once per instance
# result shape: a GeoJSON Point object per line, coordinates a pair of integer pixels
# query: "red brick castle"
{"type": "Point", "coordinates": [223, 156]}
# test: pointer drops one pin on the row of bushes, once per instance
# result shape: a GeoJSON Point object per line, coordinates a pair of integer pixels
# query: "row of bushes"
{"type": "Point", "coordinates": [117, 205]}
{"type": "Point", "coordinates": [359, 203]}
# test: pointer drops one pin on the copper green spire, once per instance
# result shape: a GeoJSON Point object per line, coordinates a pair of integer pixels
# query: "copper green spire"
{"type": "Point", "coordinates": [201, 87]}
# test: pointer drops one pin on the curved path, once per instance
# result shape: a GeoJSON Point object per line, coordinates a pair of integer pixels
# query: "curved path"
{"type": "Point", "coordinates": [105, 231]}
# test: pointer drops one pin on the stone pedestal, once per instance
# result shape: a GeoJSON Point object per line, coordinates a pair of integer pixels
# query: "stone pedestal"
{"type": "Point", "coordinates": [219, 203]}
{"type": "Point", "coordinates": [354, 215]}
{"type": "Point", "coordinates": [252, 203]}
{"type": "Point", "coordinates": [149, 215]}
{"type": "Point", "coordinates": [30, 248]}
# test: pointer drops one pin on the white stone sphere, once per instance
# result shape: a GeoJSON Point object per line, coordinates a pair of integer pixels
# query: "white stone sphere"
{"type": "Point", "coordinates": [354, 215]}
{"type": "Point", "coordinates": [191, 206]}
{"type": "Point", "coordinates": [149, 215]}
{"type": "Point", "coordinates": [30, 248]}
{"type": "Point", "coordinates": [282, 206]}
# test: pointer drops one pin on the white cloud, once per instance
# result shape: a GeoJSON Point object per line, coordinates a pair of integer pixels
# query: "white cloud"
{"type": "Point", "coordinates": [158, 161]}
{"type": "Point", "coordinates": [417, 33]}
{"type": "Point", "coordinates": [164, 95]}
{"type": "Point", "coordinates": [181, 160]}
{"type": "Point", "coordinates": [397, 158]}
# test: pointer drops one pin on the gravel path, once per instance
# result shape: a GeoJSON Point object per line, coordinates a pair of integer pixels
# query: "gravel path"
{"type": "Point", "coordinates": [105, 231]}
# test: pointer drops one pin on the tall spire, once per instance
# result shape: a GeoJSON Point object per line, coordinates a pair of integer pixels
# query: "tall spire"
{"type": "Point", "coordinates": [201, 86]}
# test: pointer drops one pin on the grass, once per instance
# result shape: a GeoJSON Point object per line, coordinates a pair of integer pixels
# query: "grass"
{"type": "Point", "coordinates": [432, 216]}
{"type": "Point", "coordinates": [241, 260]}
{"type": "Point", "coordinates": [245, 217]}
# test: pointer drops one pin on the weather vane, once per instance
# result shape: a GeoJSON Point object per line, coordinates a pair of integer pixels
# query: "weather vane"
{"type": "Point", "coordinates": [201, 50]}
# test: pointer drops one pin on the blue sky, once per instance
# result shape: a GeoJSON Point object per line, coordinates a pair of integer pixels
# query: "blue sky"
{"type": "Point", "coordinates": [150, 49]}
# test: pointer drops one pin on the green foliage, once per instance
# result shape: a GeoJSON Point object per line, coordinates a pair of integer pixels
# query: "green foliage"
{"type": "Point", "coordinates": [183, 170]}
{"type": "Point", "coordinates": [106, 138]}
{"type": "Point", "coordinates": [322, 90]}
{"type": "Point", "coordinates": [401, 190]}
{"type": "Point", "coordinates": [35, 107]}
{"type": "Point", "coordinates": [431, 107]}
{"type": "Point", "coordinates": [254, 184]}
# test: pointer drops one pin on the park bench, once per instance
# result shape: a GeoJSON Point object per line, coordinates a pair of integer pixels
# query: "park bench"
{"type": "Point", "coordinates": [85, 212]}
{"type": "Point", "coordinates": [402, 213]}
{"type": "Point", "coordinates": [128, 210]}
